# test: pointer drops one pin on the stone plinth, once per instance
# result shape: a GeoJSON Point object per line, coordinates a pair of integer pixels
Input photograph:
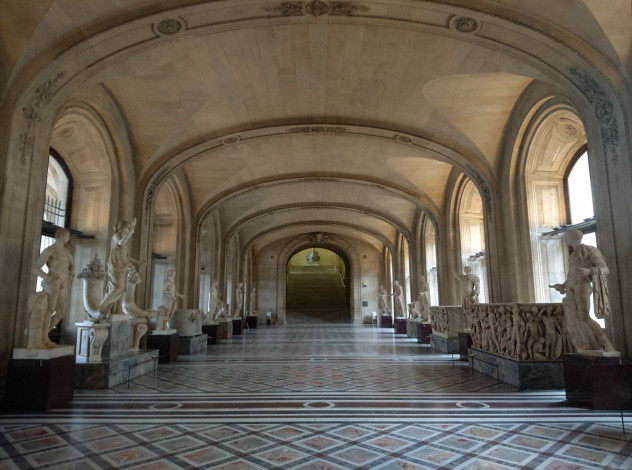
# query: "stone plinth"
{"type": "Point", "coordinates": [192, 344]}
{"type": "Point", "coordinates": [411, 327]}
{"type": "Point", "coordinates": [237, 326]}
{"type": "Point", "coordinates": [252, 321]}
{"type": "Point", "coordinates": [444, 344]}
{"type": "Point", "coordinates": [167, 345]}
{"type": "Point", "coordinates": [40, 384]}
{"type": "Point", "coordinates": [520, 374]}
{"type": "Point", "coordinates": [424, 331]}
{"type": "Point", "coordinates": [225, 328]}
{"type": "Point", "coordinates": [118, 340]}
{"type": "Point", "coordinates": [465, 343]}
{"type": "Point", "coordinates": [115, 371]}
{"type": "Point", "coordinates": [211, 331]}
{"type": "Point", "coordinates": [117, 363]}
{"type": "Point", "coordinates": [400, 326]}
{"type": "Point", "coordinates": [138, 328]}
{"type": "Point", "coordinates": [386, 321]}
{"type": "Point", "coordinates": [601, 383]}
{"type": "Point", "coordinates": [90, 340]}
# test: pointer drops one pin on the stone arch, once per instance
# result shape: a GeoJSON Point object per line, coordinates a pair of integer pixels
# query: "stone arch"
{"type": "Point", "coordinates": [335, 243]}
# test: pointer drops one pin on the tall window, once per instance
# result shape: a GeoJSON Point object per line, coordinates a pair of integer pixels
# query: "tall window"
{"type": "Point", "coordinates": [579, 196]}
{"type": "Point", "coordinates": [56, 202]}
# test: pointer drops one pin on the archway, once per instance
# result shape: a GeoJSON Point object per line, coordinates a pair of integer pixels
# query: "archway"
{"type": "Point", "coordinates": [317, 288]}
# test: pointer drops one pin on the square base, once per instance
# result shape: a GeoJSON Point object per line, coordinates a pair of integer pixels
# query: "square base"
{"type": "Point", "coordinates": [167, 346]}
{"type": "Point", "coordinates": [192, 344]}
{"type": "Point", "coordinates": [109, 373]}
{"type": "Point", "coordinates": [400, 326]}
{"type": "Point", "coordinates": [386, 321]}
{"type": "Point", "coordinates": [40, 384]}
{"type": "Point", "coordinates": [542, 375]}
{"type": "Point", "coordinates": [211, 332]}
{"type": "Point", "coordinates": [443, 344]}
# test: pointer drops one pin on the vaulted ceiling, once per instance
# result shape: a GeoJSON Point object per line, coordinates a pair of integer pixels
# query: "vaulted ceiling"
{"type": "Point", "coordinates": [291, 117]}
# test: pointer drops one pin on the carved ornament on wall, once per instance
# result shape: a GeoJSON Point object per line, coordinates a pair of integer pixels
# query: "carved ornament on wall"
{"type": "Point", "coordinates": [317, 129]}
{"type": "Point", "coordinates": [603, 107]}
{"type": "Point", "coordinates": [169, 26]}
{"type": "Point", "coordinates": [464, 24]}
{"type": "Point", "coordinates": [317, 8]}
{"type": "Point", "coordinates": [33, 114]}
{"type": "Point", "coordinates": [151, 190]}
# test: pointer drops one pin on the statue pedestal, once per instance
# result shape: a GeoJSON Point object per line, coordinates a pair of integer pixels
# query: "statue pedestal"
{"type": "Point", "coordinates": [225, 328]}
{"type": "Point", "coordinates": [424, 331]}
{"type": "Point", "coordinates": [211, 331]}
{"type": "Point", "coordinates": [43, 382]}
{"type": "Point", "coordinates": [90, 340]}
{"type": "Point", "coordinates": [167, 342]}
{"type": "Point", "coordinates": [522, 374]}
{"type": "Point", "coordinates": [386, 321]}
{"type": "Point", "coordinates": [116, 363]}
{"type": "Point", "coordinates": [237, 326]}
{"type": "Point", "coordinates": [597, 382]}
{"type": "Point", "coordinates": [192, 344]}
{"type": "Point", "coordinates": [252, 321]}
{"type": "Point", "coordinates": [444, 343]}
{"type": "Point", "coordinates": [411, 327]}
{"type": "Point", "coordinates": [465, 342]}
{"type": "Point", "coordinates": [138, 328]}
{"type": "Point", "coordinates": [400, 326]}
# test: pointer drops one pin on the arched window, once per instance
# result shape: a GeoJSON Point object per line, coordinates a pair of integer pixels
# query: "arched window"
{"type": "Point", "coordinates": [58, 198]}
{"type": "Point", "coordinates": [579, 201]}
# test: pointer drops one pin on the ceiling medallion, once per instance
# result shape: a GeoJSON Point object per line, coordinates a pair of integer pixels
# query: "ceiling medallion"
{"type": "Point", "coordinates": [317, 8]}
{"type": "Point", "coordinates": [231, 139]}
{"type": "Point", "coordinates": [403, 138]}
{"type": "Point", "coordinates": [464, 24]}
{"type": "Point", "coordinates": [169, 26]}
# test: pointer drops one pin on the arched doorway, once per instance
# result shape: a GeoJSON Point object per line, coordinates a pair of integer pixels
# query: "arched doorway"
{"type": "Point", "coordinates": [317, 288]}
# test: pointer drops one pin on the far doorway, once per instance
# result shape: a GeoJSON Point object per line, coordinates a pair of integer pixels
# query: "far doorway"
{"type": "Point", "coordinates": [317, 287]}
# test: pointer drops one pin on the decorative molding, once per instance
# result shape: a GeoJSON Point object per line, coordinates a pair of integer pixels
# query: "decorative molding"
{"type": "Point", "coordinates": [483, 187]}
{"type": "Point", "coordinates": [231, 140]}
{"type": "Point", "coordinates": [169, 26]}
{"type": "Point", "coordinates": [317, 8]}
{"type": "Point", "coordinates": [151, 190]}
{"type": "Point", "coordinates": [403, 139]}
{"type": "Point", "coordinates": [33, 114]}
{"type": "Point", "coordinates": [464, 24]}
{"type": "Point", "coordinates": [317, 237]}
{"type": "Point", "coordinates": [604, 110]}
{"type": "Point", "coordinates": [318, 129]}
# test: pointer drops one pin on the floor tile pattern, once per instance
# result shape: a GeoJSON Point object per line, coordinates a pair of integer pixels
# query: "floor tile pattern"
{"type": "Point", "coordinates": [316, 396]}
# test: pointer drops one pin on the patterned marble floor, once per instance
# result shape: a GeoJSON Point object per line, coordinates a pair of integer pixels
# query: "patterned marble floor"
{"type": "Point", "coordinates": [316, 396]}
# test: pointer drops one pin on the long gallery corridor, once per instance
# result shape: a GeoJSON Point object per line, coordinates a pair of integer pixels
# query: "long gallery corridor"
{"type": "Point", "coordinates": [316, 396]}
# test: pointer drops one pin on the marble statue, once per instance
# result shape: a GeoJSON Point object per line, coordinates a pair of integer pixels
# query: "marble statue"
{"type": "Point", "coordinates": [129, 306]}
{"type": "Point", "coordinates": [221, 311]}
{"type": "Point", "coordinates": [118, 266]}
{"type": "Point", "coordinates": [587, 274]}
{"type": "Point", "coordinates": [170, 298]}
{"type": "Point", "coordinates": [424, 299]}
{"type": "Point", "coordinates": [470, 286]}
{"type": "Point", "coordinates": [188, 322]}
{"type": "Point", "coordinates": [239, 301]}
{"type": "Point", "coordinates": [214, 302]}
{"type": "Point", "coordinates": [398, 300]}
{"type": "Point", "coordinates": [382, 302]}
{"type": "Point", "coordinates": [252, 302]}
{"type": "Point", "coordinates": [48, 307]}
